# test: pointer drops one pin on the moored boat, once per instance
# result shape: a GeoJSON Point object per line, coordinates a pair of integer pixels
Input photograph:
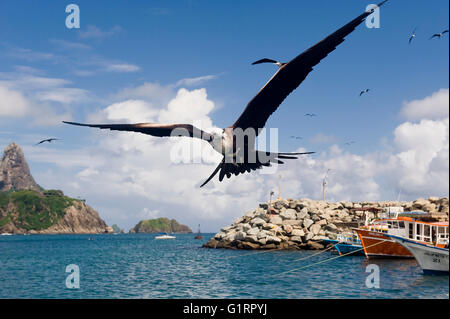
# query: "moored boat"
{"type": "Point", "coordinates": [432, 259]}
{"type": "Point", "coordinates": [416, 227]}
{"type": "Point", "coordinates": [198, 236]}
{"type": "Point", "coordinates": [349, 244]}
{"type": "Point", "coordinates": [165, 236]}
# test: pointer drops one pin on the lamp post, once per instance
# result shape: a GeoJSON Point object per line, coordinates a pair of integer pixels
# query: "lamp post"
{"type": "Point", "coordinates": [324, 184]}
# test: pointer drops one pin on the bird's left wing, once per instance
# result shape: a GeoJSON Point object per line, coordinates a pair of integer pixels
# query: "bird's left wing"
{"type": "Point", "coordinates": [160, 130]}
{"type": "Point", "coordinates": [290, 76]}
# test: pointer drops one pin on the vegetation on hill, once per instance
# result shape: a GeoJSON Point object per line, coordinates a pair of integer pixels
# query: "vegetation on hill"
{"type": "Point", "coordinates": [32, 210]}
{"type": "Point", "coordinates": [160, 225]}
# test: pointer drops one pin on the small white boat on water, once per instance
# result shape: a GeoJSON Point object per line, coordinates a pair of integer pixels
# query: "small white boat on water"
{"type": "Point", "coordinates": [165, 236]}
{"type": "Point", "coordinates": [6, 234]}
{"type": "Point", "coordinates": [432, 259]}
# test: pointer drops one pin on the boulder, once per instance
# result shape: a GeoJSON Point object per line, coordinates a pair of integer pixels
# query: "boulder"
{"type": "Point", "coordinates": [257, 221]}
{"type": "Point", "coordinates": [289, 214]}
{"type": "Point", "coordinates": [315, 229]}
{"type": "Point", "coordinates": [275, 220]}
{"type": "Point", "coordinates": [240, 235]}
{"type": "Point", "coordinates": [307, 222]}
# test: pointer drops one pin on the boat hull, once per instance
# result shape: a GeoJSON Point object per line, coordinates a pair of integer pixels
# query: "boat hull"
{"type": "Point", "coordinates": [433, 260]}
{"type": "Point", "coordinates": [343, 249]}
{"type": "Point", "coordinates": [376, 244]}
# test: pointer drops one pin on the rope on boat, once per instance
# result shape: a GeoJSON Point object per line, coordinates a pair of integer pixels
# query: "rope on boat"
{"type": "Point", "coordinates": [316, 254]}
{"type": "Point", "coordinates": [325, 260]}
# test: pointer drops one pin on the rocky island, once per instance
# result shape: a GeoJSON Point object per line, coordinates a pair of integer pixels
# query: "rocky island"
{"type": "Point", "coordinates": [25, 207]}
{"type": "Point", "coordinates": [305, 223]}
{"type": "Point", "coordinates": [159, 225]}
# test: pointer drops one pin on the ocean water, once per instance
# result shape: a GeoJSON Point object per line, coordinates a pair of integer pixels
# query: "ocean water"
{"type": "Point", "coordinates": [137, 266]}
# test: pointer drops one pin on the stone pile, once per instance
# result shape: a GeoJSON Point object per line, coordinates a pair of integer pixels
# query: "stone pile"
{"type": "Point", "coordinates": [304, 224]}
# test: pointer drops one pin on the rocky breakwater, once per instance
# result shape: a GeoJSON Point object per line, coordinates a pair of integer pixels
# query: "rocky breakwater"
{"type": "Point", "coordinates": [304, 224]}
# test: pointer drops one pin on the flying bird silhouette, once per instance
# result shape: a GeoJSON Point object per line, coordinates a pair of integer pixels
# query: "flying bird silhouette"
{"type": "Point", "coordinates": [49, 140]}
{"type": "Point", "coordinates": [364, 92]}
{"type": "Point", "coordinates": [297, 137]}
{"type": "Point", "coordinates": [310, 114]}
{"type": "Point", "coordinates": [350, 143]}
{"type": "Point", "coordinates": [236, 159]}
{"type": "Point", "coordinates": [439, 35]}
{"type": "Point", "coordinates": [413, 35]}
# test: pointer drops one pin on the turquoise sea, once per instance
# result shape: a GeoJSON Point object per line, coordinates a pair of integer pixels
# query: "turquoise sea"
{"type": "Point", "coordinates": [138, 266]}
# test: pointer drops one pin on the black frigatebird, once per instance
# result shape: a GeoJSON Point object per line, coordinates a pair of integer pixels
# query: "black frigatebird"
{"type": "Point", "coordinates": [288, 77]}
{"type": "Point", "coordinates": [439, 35]}
{"type": "Point", "coordinates": [364, 92]}
{"type": "Point", "coordinates": [49, 140]}
{"type": "Point", "coordinates": [413, 35]}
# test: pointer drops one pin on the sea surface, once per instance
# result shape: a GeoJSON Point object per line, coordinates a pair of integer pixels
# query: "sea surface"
{"type": "Point", "coordinates": [138, 266]}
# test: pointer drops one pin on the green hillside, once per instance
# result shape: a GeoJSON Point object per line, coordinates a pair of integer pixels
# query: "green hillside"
{"type": "Point", "coordinates": [160, 225]}
{"type": "Point", "coordinates": [32, 210]}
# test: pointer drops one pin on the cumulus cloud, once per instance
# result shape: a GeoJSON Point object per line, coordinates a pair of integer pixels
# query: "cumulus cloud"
{"type": "Point", "coordinates": [13, 103]}
{"type": "Point", "coordinates": [432, 107]}
{"type": "Point", "coordinates": [27, 95]}
{"type": "Point", "coordinates": [134, 174]}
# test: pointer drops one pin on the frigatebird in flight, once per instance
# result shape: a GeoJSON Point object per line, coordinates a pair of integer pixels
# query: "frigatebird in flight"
{"type": "Point", "coordinates": [439, 35]}
{"type": "Point", "coordinates": [238, 159]}
{"type": "Point", "coordinates": [364, 92]}
{"type": "Point", "coordinates": [49, 140]}
{"type": "Point", "coordinates": [413, 35]}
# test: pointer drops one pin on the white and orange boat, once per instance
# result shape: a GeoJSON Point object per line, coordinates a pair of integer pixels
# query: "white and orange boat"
{"type": "Point", "coordinates": [416, 227]}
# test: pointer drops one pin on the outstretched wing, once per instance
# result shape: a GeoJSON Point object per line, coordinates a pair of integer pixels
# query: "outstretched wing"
{"type": "Point", "coordinates": [160, 130]}
{"type": "Point", "coordinates": [290, 76]}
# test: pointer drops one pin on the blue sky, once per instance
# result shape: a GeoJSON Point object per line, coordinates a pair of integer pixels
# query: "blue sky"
{"type": "Point", "coordinates": [124, 44]}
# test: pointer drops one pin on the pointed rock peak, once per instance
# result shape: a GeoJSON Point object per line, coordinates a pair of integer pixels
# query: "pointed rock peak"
{"type": "Point", "coordinates": [14, 170]}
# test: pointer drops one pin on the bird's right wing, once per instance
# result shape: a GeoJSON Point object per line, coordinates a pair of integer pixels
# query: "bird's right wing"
{"type": "Point", "coordinates": [290, 76]}
{"type": "Point", "coordinates": [160, 130]}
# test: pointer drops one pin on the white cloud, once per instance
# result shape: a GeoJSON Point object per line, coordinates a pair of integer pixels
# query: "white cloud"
{"type": "Point", "coordinates": [13, 103]}
{"type": "Point", "coordinates": [122, 67]}
{"type": "Point", "coordinates": [94, 32]}
{"type": "Point", "coordinates": [195, 81]}
{"type": "Point", "coordinates": [435, 106]}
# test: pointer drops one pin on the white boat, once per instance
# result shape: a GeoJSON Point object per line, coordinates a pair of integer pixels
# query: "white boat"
{"type": "Point", "coordinates": [432, 259]}
{"type": "Point", "coordinates": [6, 234]}
{"type": "Point", "coordinates": [165, 236]}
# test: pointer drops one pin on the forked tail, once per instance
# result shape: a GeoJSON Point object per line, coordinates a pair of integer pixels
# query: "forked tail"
{"type": "Point", "coordinates": [228, 169]}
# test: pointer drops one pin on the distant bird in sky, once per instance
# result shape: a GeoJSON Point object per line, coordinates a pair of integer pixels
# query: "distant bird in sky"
{"type": "Point", "coordinates": [350, 143]}
{"type": "Point", "coordinates": [364, 92]}
{"type": "Point", "coordinates": [241, 156]}
{"type": "Point", "coordinates": [297, 137]}
{"type": "Point", "coordinates": [413, 35]}
{"type": "Point", "coordinates": [49, 140]}
{"type": "Point", "coordinates": [439, 35]}
{"type": "Point", "coordinates": [310, 114]}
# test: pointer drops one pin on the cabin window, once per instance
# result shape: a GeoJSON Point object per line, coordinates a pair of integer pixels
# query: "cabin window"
{"type": "Point", "coordinates": [401, 225]}
{"type": "Point", "coordinates": [426, 233]}
{"type": "Point", "coordinates": [389, 224]}
{"type": "Point", "coordinates": [395, 225]}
